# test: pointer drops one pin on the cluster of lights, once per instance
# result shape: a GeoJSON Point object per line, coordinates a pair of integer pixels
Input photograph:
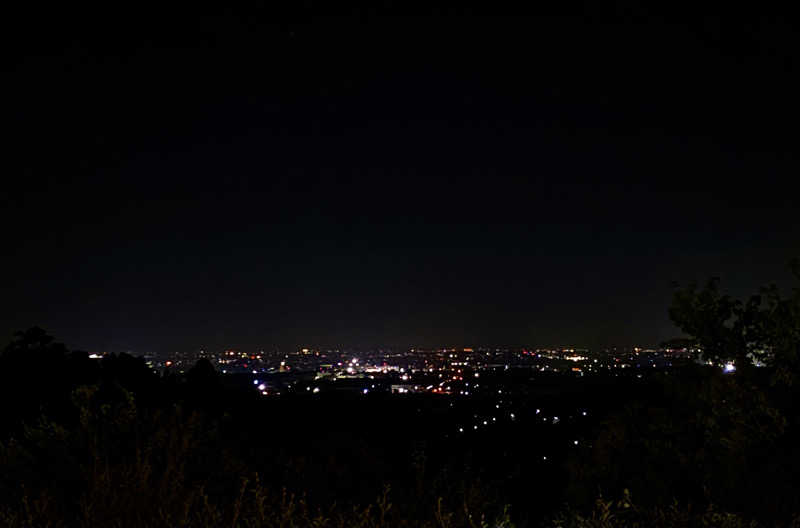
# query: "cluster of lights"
{"type": "Point", "coordinates": [447, 363]}
{"type": "Point", "coordinates": [729, 367]}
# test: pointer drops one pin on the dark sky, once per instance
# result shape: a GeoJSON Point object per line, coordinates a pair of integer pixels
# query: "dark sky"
{"type": "Point", "coordinates": [216, 177]}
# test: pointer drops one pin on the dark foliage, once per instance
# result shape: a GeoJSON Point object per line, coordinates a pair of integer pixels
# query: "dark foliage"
{"type": "Point", "coordinates": [705, 437]}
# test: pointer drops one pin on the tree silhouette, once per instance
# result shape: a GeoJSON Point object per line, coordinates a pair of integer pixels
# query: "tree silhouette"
{"type": "Point", "coordinates": [704, 435]}
{"type": "Point", "coordinates": [764, 329]}
{"type": "Point", "coordinates": [33, 341]}
{"type": "Point", "coordinates": [35, 373]}
{"type": "Point", "coordinates": [202, 374]}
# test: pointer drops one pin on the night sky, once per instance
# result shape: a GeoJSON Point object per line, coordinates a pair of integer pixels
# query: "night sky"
{"type": "Point", "coordinates": [195, 177]}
